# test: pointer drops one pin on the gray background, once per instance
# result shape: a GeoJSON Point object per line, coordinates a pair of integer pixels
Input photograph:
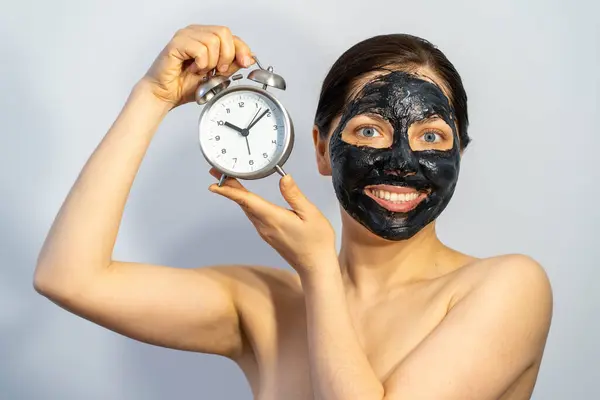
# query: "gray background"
{"type": "Point", "coordinates": [528, 181]}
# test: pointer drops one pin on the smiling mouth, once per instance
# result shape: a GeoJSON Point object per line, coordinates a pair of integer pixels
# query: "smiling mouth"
{"type": "Point", "coordinates": [395, 198]}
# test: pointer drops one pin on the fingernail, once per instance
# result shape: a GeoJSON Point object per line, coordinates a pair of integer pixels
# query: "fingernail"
{"type": "Point", "coordinates": [223, 68]}
{"type": "Point", "coordinates": [248, 61]}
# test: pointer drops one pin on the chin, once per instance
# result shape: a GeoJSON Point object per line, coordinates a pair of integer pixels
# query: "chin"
{"type": "Point", "coordinates": [389, 232]}
{"type": "Point", "coordinates": [395, 234]}
{"type": "Point", "coordinates": [365, 228]}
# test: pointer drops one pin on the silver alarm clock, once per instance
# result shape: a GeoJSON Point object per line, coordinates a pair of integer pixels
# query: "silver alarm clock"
{"type": "Point", "coordinates": [244, 131]}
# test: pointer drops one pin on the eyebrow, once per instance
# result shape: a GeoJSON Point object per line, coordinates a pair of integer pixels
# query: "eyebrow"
{"type": "Point", "coordinates": [373, 115]}
{"type": "Point", "coordinates": [431, 118]}
{"type": "Point", "coordinates": [426, 120]}
{"type": "Point", "coordinates": [434, 118]}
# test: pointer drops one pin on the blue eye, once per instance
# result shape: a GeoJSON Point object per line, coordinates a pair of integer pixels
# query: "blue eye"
{"type": "Point", "coordinates": [368, 132]}
{"type": "Point", "coordinates": [431, 137]}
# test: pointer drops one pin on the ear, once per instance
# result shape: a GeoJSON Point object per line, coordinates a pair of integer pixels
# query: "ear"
{"type": "Point", "coordinates": [322, 152]}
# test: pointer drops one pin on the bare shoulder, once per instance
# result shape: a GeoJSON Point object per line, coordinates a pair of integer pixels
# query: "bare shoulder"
{"type": "Point", "coordinates": [511, 273]}
{"type": "Point", "coordinates": [515, 287]}
{"type": "Point", "coordinates": [515, 277]}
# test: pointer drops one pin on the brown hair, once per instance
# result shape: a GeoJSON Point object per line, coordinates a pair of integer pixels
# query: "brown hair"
{"type": "Point", "coordinates": [384, 52]}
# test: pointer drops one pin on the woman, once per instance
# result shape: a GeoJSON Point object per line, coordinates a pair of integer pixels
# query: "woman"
{"type": "Point", "coordinates": [395, 315]}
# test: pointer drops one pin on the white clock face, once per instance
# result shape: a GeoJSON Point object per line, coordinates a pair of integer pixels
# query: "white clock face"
{"type": "Point", "coordinates": [243, 132]}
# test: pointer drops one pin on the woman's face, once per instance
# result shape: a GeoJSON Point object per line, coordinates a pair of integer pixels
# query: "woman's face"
{"type": "Point", "coordinates": [394, 155]}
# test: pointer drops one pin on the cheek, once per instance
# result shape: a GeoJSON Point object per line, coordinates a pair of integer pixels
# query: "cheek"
{"type": "Point", "coordinates": [440, 169]}
{"type": "Point", "coordinates": [349, 162]}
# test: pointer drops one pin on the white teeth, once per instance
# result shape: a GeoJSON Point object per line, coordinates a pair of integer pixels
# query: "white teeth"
{"type": "Point", "coordinates": [395, 197]}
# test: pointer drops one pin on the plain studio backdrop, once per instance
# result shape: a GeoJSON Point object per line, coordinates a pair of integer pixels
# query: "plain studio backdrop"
{"type": "Point", "coordinates": [528, 182]}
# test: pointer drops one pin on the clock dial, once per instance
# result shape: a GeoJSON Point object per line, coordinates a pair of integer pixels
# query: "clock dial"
{"type": "Point", "coordinates": [243, 131]}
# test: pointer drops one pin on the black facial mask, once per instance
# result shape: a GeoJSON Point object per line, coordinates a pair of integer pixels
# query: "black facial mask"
{"type": "Point", "coordinates": [401, 99]}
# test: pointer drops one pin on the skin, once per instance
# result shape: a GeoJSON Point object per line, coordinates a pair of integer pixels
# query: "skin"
{"type": "Point", "coordinates": [383, 319]}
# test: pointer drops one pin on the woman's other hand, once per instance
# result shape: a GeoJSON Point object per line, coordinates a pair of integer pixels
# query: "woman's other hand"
{"type": "Point", "coordinates": [301, 235]}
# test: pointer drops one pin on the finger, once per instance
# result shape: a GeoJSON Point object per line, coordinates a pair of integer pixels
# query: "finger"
{"type": "Point", "coordinates": [183, 48]}
{"type": "Point", "coordinates": [201, 56]}
{"type": "Point", "coordinates": [213, 44]}
{"type": "Point", "coordinates": [227, 49]}
{"type": "Point", "coordinates": [229, 181]}
{"type": "Point", "coordinates": [223, 53]}
{"type": "Point", "coordinates": [214, 172]}
{"type": "Point", "coordinates": [211, 41]}
{"type": "Point", "coordinates": [294, 197]}
{"type": "Point", "coordinates": [243, 55]}
{"type": "Point", "coordinates": [233, 68]}
{"type": "Point", "coordinates": [250, 203]}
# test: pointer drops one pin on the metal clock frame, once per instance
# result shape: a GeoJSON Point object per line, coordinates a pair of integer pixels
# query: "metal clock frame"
{"type": "Point", "coordinates": [275, 165]}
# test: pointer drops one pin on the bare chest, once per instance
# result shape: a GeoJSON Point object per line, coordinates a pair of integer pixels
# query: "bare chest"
{"type": "Point", "coordinates": [279, 365]}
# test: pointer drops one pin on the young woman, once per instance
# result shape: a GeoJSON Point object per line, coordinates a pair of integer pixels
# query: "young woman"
{"type": "Point", "coordinates": [395, 315]}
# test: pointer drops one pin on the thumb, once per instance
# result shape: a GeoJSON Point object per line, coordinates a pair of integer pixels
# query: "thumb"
{"type": "Point", "coordinates": [294, 196]}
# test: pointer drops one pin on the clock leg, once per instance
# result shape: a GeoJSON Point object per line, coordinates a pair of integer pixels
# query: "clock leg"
{"type": "Point", "coordinates": [280, 170]}
{"type": "Point", "coordinates": [222, 180]}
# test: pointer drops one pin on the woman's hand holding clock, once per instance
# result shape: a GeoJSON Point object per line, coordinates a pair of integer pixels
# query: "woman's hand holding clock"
{"type": "Point", "coordinates": [302, 235]}
{"type": "Point", "coordinates": [192, 53]}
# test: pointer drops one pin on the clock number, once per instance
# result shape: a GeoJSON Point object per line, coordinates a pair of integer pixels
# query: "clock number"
{"type": "Point", "coordinates": [251, 162]}
{"type": "Point", "coordinates": [265, 155]}
{"type": "Point", "coordinates": [274, 141]}
{"type": "Point", "coordinates": [241, 104]}
{"type": "Point", "coordinates": [269, 113]}
{"type": "Point", "coordinates": [274, 127]}
{"type": "Point", "coordinates": [234, 159]}
{"type": "Point", "coordinates": [228, 110]}
{"type": "Point", "coordinates": [223, 151]}
{"type": "Point", "coordinates": [217, 138]}
{"type": "Point", "coordinates": [220, 122]}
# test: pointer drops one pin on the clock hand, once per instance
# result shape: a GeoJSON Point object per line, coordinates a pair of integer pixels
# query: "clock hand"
{"type": "Point", "coordinates": [252, 120]}
{"type": "Point", "coordinates": [246, 131]}
{"type": "Point", "coordinates": [258, 119]}
{"type": "Point", "coordinates": [247, 145]}
{"type": "Point", "coordinates": [233, 126]}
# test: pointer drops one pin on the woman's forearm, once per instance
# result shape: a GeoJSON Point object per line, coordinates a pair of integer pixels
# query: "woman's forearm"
{"type": "Point", "coordinates": [339, 366]}
{"type": "Point", "coordinates": [83, 235]}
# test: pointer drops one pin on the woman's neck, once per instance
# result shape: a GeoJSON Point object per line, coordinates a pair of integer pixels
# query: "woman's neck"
{"type": "Point", "coordinates": [370, 264]}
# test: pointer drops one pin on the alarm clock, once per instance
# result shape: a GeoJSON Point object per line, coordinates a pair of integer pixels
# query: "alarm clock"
{"type": "Point", "coordinates": [244, 131]}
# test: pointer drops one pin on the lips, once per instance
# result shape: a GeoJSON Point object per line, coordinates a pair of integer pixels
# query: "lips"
{"type": "Point", "coordinates": [395, 198]}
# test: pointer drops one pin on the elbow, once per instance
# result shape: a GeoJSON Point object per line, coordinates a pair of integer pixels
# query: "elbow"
{"type": "Point", "coordinates": [52, 283]}
{"type": "Point", "coordinates": [63, 294]}
{"type": "Point", "coordinates": [40, 281]}
{"type": "Point", "coordinates": [44, 275]}
{"type": "Point", "coordinates": [38, 285]}
{"type": "Point", "coordinates": [44, 282]}
{"type": "Point", "coordinates": [62, 285]}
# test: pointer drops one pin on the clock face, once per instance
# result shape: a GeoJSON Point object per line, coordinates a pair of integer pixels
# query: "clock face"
{"type": "Point", "coordinates": [244, 132]}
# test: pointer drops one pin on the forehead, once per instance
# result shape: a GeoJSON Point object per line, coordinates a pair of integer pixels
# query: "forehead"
{"type": "Point", "coordinates": [400, 94]}
{"type": "Point", "coordinates": [422, 73]}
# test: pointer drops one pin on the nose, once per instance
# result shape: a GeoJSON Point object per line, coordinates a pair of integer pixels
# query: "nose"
{"type": "Point", "coordinates": [402, 161]}
{"type": "Point", "coordinates": [396, 172]}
